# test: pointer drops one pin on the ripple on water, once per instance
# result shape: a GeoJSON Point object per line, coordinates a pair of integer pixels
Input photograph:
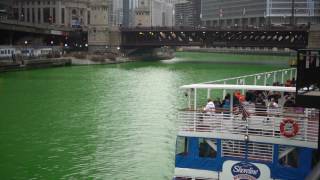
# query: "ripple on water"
{"type": "Point", "coordinates": [98, 122]}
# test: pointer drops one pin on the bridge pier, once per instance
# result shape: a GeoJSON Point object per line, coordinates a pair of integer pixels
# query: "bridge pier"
{"type": "Point", "coordinates": [314, 37]}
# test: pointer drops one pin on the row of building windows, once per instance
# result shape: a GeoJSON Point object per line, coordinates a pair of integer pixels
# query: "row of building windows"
{"type": "Point", "coordinates": [33, 15]}
{"type": "Point", "coordinates": [212, 9]}
{"type": "Point", "coordinates": [23, 3]}
{"type": "Point", "coordinates": [143, 13]}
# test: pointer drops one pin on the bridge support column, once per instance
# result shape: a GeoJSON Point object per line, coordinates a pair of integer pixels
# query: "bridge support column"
{"type": "Point", "coordinates": [314, 36]}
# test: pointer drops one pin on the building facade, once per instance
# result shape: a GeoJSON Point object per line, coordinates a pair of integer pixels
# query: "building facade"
{"type": "Point", "coordinates": [122, 12]}
{"type": "Point", "coordinates": [154, 13]}
{"type": "Point", "coordinates": [85, 15]}
{"type": "Point", "coordinates": [71, 13]}
{"type": "Point", "coordinates": [5, 10]}
{"type": "Point", "coordinates": [259, 12]}
{"type": "Point", "coordinates": [188, 13]}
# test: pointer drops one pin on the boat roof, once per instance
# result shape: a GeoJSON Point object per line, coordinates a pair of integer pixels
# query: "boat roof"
{"type": "Point", "coordinates": [239, 87]}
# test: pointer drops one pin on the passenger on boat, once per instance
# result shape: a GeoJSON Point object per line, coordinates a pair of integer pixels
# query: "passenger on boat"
{"type": "Point", "coordinates": [249, 105]}
{"type": "Point", "coordinates": [260, 107]}
{"type": "Point", "coordinates": [289, 101]}
{"type": "Point", "coordinates": [273, 103]}
{"type": "Point", "coordinates": [217, 102]}
{"type": "Point", "coordinates": [226, 99]}
{"type": "Point", "coordinates": [273, 106]}
{"type": "Point", "coordinates": [210, 107]}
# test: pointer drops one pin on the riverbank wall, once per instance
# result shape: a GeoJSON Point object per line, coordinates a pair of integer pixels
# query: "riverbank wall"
{"type": "Point", "coordinates": [6, 66]}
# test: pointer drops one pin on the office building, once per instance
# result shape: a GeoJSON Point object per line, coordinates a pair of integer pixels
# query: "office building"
{"type": "Point", "coordinates": [259, 12]}
{"type": "Point", "coordinates": [71, 13]}
{"type": "Point", "coordinates": [188, 13]}
{"type": "Point", "coordinates": [154, 13]}
{"type": "Point", "coordinates": [122, 12]}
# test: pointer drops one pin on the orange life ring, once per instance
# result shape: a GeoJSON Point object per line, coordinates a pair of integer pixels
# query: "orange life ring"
{"type": "Point", "coordinates": [289, 128]}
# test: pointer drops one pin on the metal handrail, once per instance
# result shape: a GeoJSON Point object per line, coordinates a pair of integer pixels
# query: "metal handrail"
{"type": "Point", "coordinates": [265, 75]}
{"type": "Point", "coordinates": [266, 125]}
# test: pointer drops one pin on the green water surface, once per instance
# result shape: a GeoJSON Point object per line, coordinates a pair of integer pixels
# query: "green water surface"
{"type": "Point", "coordinates": [103, 122]}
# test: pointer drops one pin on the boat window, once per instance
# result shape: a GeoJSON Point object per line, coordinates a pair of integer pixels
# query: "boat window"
{"type": "Point", "coordinates": [182, 146]}
{"type": "Point", "coordinates": [288, 156]}
{"type": "Point", "coordinates": [207, 148]}
{"type": "Point", "coordinates": [315, 158]}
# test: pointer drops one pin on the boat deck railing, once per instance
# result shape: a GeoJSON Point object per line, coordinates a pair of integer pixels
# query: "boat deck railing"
{"type": "Point", "coordinates": [265, 78]}
{"type": "Point", "coordinates": [261, 126]}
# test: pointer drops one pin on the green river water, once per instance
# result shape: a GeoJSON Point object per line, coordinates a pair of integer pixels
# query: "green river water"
{"type": "Point", "coordinates": [103, 122]}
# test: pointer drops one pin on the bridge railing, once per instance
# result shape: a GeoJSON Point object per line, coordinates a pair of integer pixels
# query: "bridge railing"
{"type": "Point", "coordinates": [198, 28]}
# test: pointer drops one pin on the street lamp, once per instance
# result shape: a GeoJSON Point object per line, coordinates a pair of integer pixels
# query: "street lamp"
{"type": "Point", "coordinates": [22, 17]}
{"type": "Point", "coordinates": [25, 42]}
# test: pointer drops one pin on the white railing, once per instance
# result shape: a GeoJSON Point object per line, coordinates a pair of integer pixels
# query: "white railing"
{"type": "Point", "coordinates": [261, 126]}
{"type": "Point", "coordinates": [264, 78]}
{"type": "Point", "coordinates": [256, 151]}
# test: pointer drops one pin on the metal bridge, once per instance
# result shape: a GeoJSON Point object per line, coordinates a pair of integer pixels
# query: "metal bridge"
{"type": "Point", "coordinates": [280, 37]}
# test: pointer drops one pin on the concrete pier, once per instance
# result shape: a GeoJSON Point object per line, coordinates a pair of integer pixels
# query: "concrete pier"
{"type": "Point", "coordinates": [33, 64]}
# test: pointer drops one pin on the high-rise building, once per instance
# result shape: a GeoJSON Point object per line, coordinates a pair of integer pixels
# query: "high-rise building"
{"type": "Point", "coordinates": [187, 13]}
{"type": "Point", "coordinates": [122, 12]}
{"type": "Point", "coordinates": [154, 13]}
{"type": "Point", "coordinates": [126, 13]}
{"type": "Point", "coordinates": [116, 12]}
{"type": "Point", "coordinates": [259, 12]}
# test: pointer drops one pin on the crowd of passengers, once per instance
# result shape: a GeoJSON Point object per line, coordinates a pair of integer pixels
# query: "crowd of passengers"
{"type": "Point", "coordinates": [254, 101]}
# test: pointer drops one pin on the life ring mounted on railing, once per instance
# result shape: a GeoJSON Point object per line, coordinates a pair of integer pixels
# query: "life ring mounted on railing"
{"type": "Point", "coordinates": [289, 128]}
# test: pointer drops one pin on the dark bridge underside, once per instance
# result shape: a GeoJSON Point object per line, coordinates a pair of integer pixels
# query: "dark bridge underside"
{"type": "Point", "coordinates": [280, 38]}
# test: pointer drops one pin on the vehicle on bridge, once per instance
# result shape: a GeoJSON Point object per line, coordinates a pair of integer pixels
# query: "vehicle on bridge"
{"type": "Point", "coordinates": [246, 140]}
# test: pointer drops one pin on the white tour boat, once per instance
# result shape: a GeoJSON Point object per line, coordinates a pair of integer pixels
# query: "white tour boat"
{"type": "Point", "coordinates": [246, 138]}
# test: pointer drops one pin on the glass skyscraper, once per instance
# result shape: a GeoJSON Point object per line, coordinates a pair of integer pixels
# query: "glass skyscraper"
{"type": "Point", "coordinates": [259, 12]}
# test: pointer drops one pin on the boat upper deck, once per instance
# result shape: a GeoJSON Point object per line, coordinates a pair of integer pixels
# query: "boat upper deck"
{"type": "Point", "coordinates": [244, 119]}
